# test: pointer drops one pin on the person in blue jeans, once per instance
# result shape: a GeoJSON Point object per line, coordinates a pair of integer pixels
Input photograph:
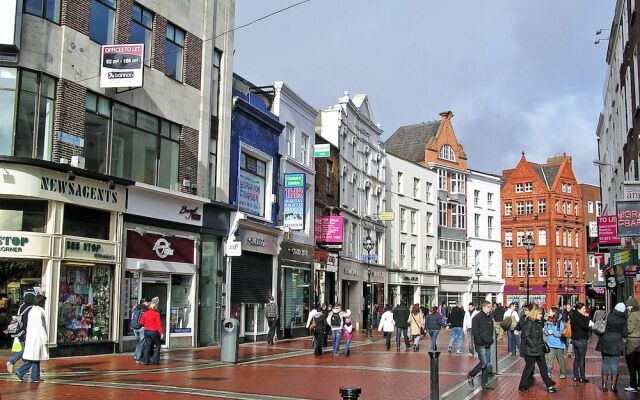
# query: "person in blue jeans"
{"type": "Point", "coordinates": [401, 318]}
{"type": "Point", "coordinates": [138, 330]}
{"type": "Point", "coordinates": [433, 323]}
{"type": "Point", "coordinates": [335, 319]}
{"type": "Point", "coordinates": [36, 342]}
{"type": "Point", "coordinates": [456, 321]}
{"type": "Point", "coordinates": [23, 313]}
{"type": "Point", "coordinates": [482, 332]}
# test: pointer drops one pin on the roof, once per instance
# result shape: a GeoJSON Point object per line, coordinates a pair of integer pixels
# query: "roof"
{"type": "Point", "coordinates": [410, 141]}
{"type": "Point", "coordinates": [546, 172]}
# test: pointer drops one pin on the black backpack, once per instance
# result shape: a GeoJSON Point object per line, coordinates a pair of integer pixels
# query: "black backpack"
{"type": "Point", "coordinates": [135, 318]}
{"type": "Point", "coordinates": [336, 319]}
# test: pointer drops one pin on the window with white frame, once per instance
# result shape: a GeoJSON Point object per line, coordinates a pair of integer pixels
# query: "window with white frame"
{"type": "Point", "coordinates": [253, 190]}
{"type": "Point", "coordinates": [557, 267]}
{"type": "Point", "coordinates": [458, 216]}
{"type": "Point", "coordinates": [590, 207]}
{"type": "Point", "coordinates": [577, 268]}
{"type": "Point", "coordinates": [291, 138]}
{"type": "Point", "coordinates": [403, 220]}
{"type": "Point", "coordinates": [304, 149]}
{"type": "Point", "coordinates": [400, 186]}
{"type": "Point", "coordinates": [442, 214]}
{"type": "Point", "coordinates": [564, 188]}
{"type": "Point", "coordinates": [429, 224]}
{"type": "Point", "coordinates": [476, 225]}
{"type": "Point", "coordinates": [598, 208]}
{"type": "Point", "coordinates": [489, 227]}
{"type": "Point", "coordinates": [528, 187]}
{"type": "Point", "coordinates": [508, 239]}
{"type": "Point", "coordinates": [542, 206]}
{"type": "Point", "coordinates": [508, 266]}
{"type": "Point", "coordinates": [569, 235]}
{"type": "Point", "coordinates": [532, 264]}
{"type": "Point", "coordinates": [476, 259]}
{"type": "Point", "coordinates": [428, 257]}
{"type": "Point", "coordinates": [542, 237]}
{"type": "Point", "coordinates": [416, 188]}
{"type": "Point", "coordinates": [521, 270]}
{"type": "Point", "coordinates": [454, 252]}
{"type": "Point", "coordinates": [428, 190]}
{"type": "Point", "coordinates": [571, 267]}
{"type": "Point", "coordinates": [519, 187]}
{"type": "Point", "coordinates": [442, 179]}
{"type": "Point", "coordinates": [490, 263]}
{"type": "Point", "coordinates": [520, 238]}
{"type": "Point", "coordinates": [490, 200]}
{"type": "Point", "coordinates": [577, 241]}
{"type": "Point", "coordinates": [353, 240]}
{"type": "Point", "coordinates": [403, 254]}
{"type": "Point", "coordinates": [557, 237]}
{"type": "Point", "coordinates": [575, 209]}
{"type": "Point", "coordinates": [447, 153]}
{"type": "Point", "coordinates": [520, 208]}
{"type": "Point", "coordinates": [564, 207]}
{"type": "Point", "coordinates": [542, 267]}
{"type": "Point", "coordinates": [458, 183]}
{"type": "Point", "coordinates": [568, 188]}
{"type": "Point", "coordinates": [529, 207]}
{"type": "Point", "coordinates": [476, 198]}
{"type": "Point", "coordinates": [508, 209]}
{"type": "Point", "coordinates": [413, 256]}
{"type": "Point", "coordinates": [414, 226]}
{"type": "Point", "coordinates": [564, 238]}
{"type": "Point", "coordinates": [557, 209]}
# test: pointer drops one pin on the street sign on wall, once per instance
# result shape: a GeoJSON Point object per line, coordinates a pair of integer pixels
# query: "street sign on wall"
{"type": "Point", "coordinates": [321, 150]}
{"type": "Point", "coordinates": [386, 216]}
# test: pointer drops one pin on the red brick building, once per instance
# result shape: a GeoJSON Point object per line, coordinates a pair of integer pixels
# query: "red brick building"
{"type": "Point", "coordinates": [544, 201]}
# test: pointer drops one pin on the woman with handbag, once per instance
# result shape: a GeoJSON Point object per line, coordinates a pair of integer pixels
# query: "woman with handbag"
{"type": "Point", "coordinates": [534, 348]}
{"type": "Point", "coordinates": [611, 346]}
{"type": "Point", "coordinates": [416, 325]}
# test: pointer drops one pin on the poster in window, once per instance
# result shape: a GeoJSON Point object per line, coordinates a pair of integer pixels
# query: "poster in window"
{"type": "Point", "coordinates": [294, 200]}
{"type": "Point", "coordinates": [251, 193]}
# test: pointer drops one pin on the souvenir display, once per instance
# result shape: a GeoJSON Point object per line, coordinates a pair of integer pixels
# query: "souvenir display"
{"type": "Point", "coordinates": [85, 304]}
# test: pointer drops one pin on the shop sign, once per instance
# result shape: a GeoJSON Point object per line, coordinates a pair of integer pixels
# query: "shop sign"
{"type": "Point", "coordinates": [412, 279]}
{"type": "Point", "coordinates": [147, 201]}
{"type": "Point", "coordinates": [29, 245]}
{"type": "Point", "coordinates": [190, 213]}
{"type": "Point", "coordinates": [328, 229]}
{"type": "Point", "coordinates": [370, 258]}
{"type": "Point", "coordinates": [89, 250]}
{"type": "Point", "coordinates": [257, 242]}
{"type": "Point", "coordinates": [321, 150]}
{"type": "Point", "coordinates": [350, 271]}
{"type": "Point", "coordinates": [12, 244]}
{"type": "Point", "coordinates": [294, 201]}
{"type": "Point", "coordinates": [386, 216]}
{"type": "Point", "coordinates": [607, 231]}
{"type": "Point", "coordinates": [377, 276]}
{"type": "Point", "coordinates": [622, 258]}
{"type": "Point", "coordinates": [628, 215]}
{"type": "Point", "coordinates": [296, 252]}
{"type": "Point", "coordinates": [233, 248]}
{"type": "Point", "coordinates": [149, 246]}
{"type": "Point", "coordinates": [121, 65]}
{"type": "Point", "coordinates": [611, 282]}
{"type": "Point", "coordinates": [631, 191]}
{"type": "Point", "coordinates": [162, 247]}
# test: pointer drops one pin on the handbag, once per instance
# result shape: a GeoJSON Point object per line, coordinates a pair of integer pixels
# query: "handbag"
{"type": "Point", "coordinates": [600, 326]}
{"type": "Point", "coordinates": [566, 333]}
{"type": "Point", "coordinates": [546, 348]}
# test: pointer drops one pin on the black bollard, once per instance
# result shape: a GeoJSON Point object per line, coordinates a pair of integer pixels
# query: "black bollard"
{"type": "Point", "coordinates": [350, 393]}
{"type": "Point", "coordinates": [435, 372]}
{"type": "Point", "coordinates": [513, 343]}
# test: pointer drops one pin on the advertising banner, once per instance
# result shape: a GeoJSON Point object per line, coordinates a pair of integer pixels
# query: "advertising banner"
{"type": "Point", "coordinates": [628, 214]}
{"type": "Point", "coordinates": [622, 258]}
{"type": "Point", "coordinates": [294, 201]}
{"type": "Point", "coordinates": [607, 231]}
{"type": "Point", "coordinates": [328, 229]}
{"type": "Point", "coordinates": [250, 193]}
{"type": "Point", "coordinates": [122, 65]}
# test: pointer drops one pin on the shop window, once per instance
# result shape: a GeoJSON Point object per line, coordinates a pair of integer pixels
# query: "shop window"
{"type": "Point", "coordinates": [251, 185]}
{"type": "Point", "coordinates": [174, 52]}
{"type": "Point", "coordinates": [141, 28]}
{"type": "Point", "coordinates": [181, 312]}
{"type": "Point", "coordinates": [17, 277]}
{"type": "Point", "coordinates": [84, 306]}
{"type": "Point", "coordinates": [129, 300]}
{"type": "Point", "coordinates": [23, 215]}
{"type": "Point", "coordinates": [85, 222]}
{"type": "Point", "coordinates": [295, 307]}
{"type": "Point", "coordinates": [8, 82]}
{"type": "Point", "coordinates": [48, 9]}
{"type": "Point", "coordinates": [103, 21]}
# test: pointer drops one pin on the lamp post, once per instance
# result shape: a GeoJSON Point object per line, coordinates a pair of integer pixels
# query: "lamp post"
{"type": "Point", "coordinates": [478, 275]}
{"type": "Point", "coordinates": [528, 244]}
{"type": "Point", "coordinates": [368, 245]}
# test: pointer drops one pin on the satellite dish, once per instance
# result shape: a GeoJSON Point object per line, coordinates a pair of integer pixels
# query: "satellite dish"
{"type": "Point", "coordinates": [440, 262]}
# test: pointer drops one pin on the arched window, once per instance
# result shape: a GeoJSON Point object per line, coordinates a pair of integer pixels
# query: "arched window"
{"type": "Point", "coordinates": [446, 153]}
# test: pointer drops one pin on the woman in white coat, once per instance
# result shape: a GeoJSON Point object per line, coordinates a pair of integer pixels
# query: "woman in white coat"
{"type": "Point", "coordinates": [36, 342]}
{"type": "Point", "coordinates": [388, 325]}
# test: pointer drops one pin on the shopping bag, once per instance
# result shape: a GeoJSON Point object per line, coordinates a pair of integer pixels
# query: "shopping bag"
{"type": "Point", "coordinates": [17, 346]}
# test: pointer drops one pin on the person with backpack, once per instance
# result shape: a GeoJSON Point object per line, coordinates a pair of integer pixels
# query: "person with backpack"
{"type": "Point", "coordinates": [20, 329]}
{"type": "Point", "coordinates": [138, 329]}
{"type": "Point", "coordinates": [611, 346]}
{"type": "Point", "coordinates": [36, 343]}
{"type": "Point", "coordinates": [317, 328]}
{"type": "Point", "coordinates": [335, 320]}
{"type": "Point", "coordinates": [553, 329]}
{"type": "Point", "coordinates": [401, 316]}
{"type": "Point", "coordinates": [347, 332]}
{"type": "Point", "coordinates": [387, 325]}
{"type": "Point", "coordinates": [271, 312]}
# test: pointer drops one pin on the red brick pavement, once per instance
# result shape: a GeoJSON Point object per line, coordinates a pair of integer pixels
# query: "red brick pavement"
{"type": "Point", "coordinates": [285, 371]}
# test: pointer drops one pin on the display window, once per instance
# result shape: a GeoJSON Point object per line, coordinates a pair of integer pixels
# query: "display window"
{"type": "Point", "coordinates": [84, 314]}
{"type": "Point", "coordinates": [86, 222]}
{"type": "Point", "coordinates": [23, 215]}
{"type": "Point", "coordinates": [181, 308]}
{"type": "Point", "coordinates": [17, 277]}
{"type": "Point", "coordinates": [295, 307]}
{"type": "Point", "coordinates": [129, 300]}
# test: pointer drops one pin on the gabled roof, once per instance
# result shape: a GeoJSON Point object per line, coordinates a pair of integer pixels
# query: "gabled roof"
{"type": "Point", "coordinates": [546, 172]}
{"type": "Point", "coordinates": [410, 141]}
{"type": "Point", "coordinates": [361, 101]}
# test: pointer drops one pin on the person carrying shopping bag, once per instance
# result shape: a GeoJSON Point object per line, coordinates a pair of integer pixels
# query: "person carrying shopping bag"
{"type": "Point", "coordinates": [416, 325]}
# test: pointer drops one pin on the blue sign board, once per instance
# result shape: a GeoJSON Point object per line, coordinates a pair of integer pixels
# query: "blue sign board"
{"type": "Point", "coordinates": [70, 139]}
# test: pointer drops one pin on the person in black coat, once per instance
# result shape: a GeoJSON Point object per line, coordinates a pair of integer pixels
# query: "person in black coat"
{"type": "Point", "coordinates": [533, 347]}
{"type": "Point", "coordinates": [401, 318]}
{"type": "Point", "coordinates": [580, 326]}
{"type": "Point", "coordinates": [498, 317]}
{"type": "Point", "coordinates": [320, 322]}
{"type": "Point", "coordinates": [482, 333]}
{"type": "Point", "coordinates": [611, 346]}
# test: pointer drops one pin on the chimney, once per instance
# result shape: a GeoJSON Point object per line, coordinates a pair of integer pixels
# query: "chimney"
{"type": "Point", "coordinates": [446, 115]}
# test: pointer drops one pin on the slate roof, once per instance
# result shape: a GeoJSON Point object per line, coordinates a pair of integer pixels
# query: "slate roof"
{"type": "Point", "coordinates": [410, 141]}
{"type": "Point", "coordinates": [546, 172]}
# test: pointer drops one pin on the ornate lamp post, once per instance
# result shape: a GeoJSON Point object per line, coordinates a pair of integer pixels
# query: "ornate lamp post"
{"type": "Point", "coordinates": [478, 275]}
{"type": "Point", "coordinates": [368, 245]}
{"type": "Point", "coordinates": [528, 244]}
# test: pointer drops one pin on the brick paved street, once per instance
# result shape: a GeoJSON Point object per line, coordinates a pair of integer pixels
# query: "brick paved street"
{"type": "Point", "coordinates": [289, 371]}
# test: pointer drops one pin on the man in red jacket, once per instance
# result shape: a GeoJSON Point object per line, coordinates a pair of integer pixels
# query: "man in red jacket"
{"type": "Point", "coordinates": [153, 332]}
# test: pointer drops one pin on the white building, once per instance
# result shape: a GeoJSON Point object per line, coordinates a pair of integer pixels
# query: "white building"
{"type": "Point", "coordinates": [484, 254]}
{"type": "Point", "coordinates": [350, 126]}
{"type": "Point", "coordinates": [411, 241]}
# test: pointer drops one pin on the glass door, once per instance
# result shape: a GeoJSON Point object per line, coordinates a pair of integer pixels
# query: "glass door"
{"type": "Point", "coordinates": [158, 286]}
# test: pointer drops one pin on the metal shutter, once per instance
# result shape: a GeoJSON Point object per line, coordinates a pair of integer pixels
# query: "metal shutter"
{"type": "Point", "coordinates": [251, 278]}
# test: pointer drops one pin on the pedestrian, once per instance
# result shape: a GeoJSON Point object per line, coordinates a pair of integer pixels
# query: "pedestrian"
{"type": "Point", "coordinates": [580, 326]}
{"type": "Point", "coordinates": [23, 315]}
{"type": "Point", "coordinates": [138, 329]}
{"type": "Point", "coordinates": [153, 333]}
{"type": "Point", "coordinates": [498, 317]}
{"type": "Point", "coordinates": [456, 321]}
{"type": "Point", "coordinates": [533, 347]}
{"type": "Point", "coordinates": [318, 330]}
{"type": "Point", "coordinates": [312, 314]}
{"type": "Point", "coordinates": [466, 326]}
{"type": "Point", "coordinates": [388, 325]}
{"type": "Point", "coordinates": [401, 316]}
{"type": "Point", "coordinates": [335, 321]}
{"type": "Point", "coordinates": [326, 308]}
{"type": "Point", "coordinates": [482, 333]}
{"type": "Point", "coordinates": [566, 316]}
{"type": "Point", "coordinates": [632, 349]}
{"type": "Point", "coordinates": [347, 332]}
{"type": "Point", "coordinates": [553, 329]}
{"type": "Point", "coordinates": [416, 325]}
{"type": "Point", "coordinates": [271, 312]}
{"type": "Point", "coordinates": [36, 341]}
{"type": "Point", "coordinates": [434, 323]}
{"type": "Point", "coordinates": [611, 346]}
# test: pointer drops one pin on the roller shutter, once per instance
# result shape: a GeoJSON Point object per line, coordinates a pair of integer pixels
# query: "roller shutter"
{"type": "Point", "coordinates": [251, 278]}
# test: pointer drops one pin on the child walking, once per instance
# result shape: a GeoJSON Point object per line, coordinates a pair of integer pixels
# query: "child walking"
{"type": "Point", "coordinates": [347, 333]}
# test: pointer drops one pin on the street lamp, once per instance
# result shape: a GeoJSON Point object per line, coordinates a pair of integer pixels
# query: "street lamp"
{"type": "Point", "coordinates": [528, 244]}
{"type": "Point", "coordinates": [478, 275]}
{"type": "Point", "coordinates": [368, 245]}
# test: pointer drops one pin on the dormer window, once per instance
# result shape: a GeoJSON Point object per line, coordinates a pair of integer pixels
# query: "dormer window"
{"type": "Point", "coordinates": [446, 153]}
{"type": "Point", "coordinates": [528, 187]}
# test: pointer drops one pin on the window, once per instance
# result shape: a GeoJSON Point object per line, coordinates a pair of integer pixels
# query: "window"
{"type": "Point", "coordinates": [476, 198]}
{"type": "Point", "coordinates": [213, 144]}
{"type": "Point", "coordinates": [215, 83]}
{"type": "Point", "coordinates": [476, 225]}
{"type": "Point", "coordinates": [86, 222]}
{"type": "Point", "coordinates": [403, 253]}
{"type": "Point", "coordinates": [141, 28]}
{"type": "Point", "coordinates": [476, 259]}
{"type": "Point", "coordinates": [575, 209]}
{"type": "Point", "coordinates": [490, 200]}
{"type": "Point", "coordinates": [446, 153]}
{"type": "Point", "coordinates": [252, 191]}
{"type": "Point", "coordinates": [529, 207]}
{"type": "Point", "coordinates": [564, 207]}
{"type": "Point", "coordinates": [508, 266]}
{"type": "Point", "coordinates": [520, 208]}
{"type": "Point", "coordinates": [569, 234]}
{"type": "Point", "coordinates": [442, 213]}
{"type": "Point", "coordinates": [429, 223]}
{"type": "Point", "coordinates": [8, 85]}
{"type": "Point", "coordinates": [520, 238]}
{"type": "Point", "coordinates": [403, 220]}
{"type": "Point", "coordinates": [557, 237]}
{"type": "Point", "coordinates": [304, 149]}
{"type": "Point", "coordinates": [557, 209]}
{"type": "Point", "coordinates": [532, 264]}
{"type": "Point", "coordinates": [414, 230]}
{"type": "Point", "coordinates": [453, 252]}
{"type": "Point", "coordinates": [542, 237]}
{"type": "Point", "coordinates": [400, 183]}
{"type": "Point", "coordinates": [508, 239]}
{"type": "Point", "coordinates": [568, 188]}
{"type": "Point", "coordinates": [557, 267]}
{"type": "Point", "coordinates": [23, 215]}
{"type": "Point", "coordinates": [590, 207]}
{"type": "Point", "coordinates": [519, 187]}
{"type": "Point", "coordinates": [34, 123]}
{"type": "Point", "coordinates": [442, 180]}
{"type": "Point", "coordinates": [413, 256]}
{"type": "Point", "coordinates": [490, 263]}
{"type": "Point", "coordinates": [174, 52]}
{"type": "Point", "coordinates": [489, 227]}
{"type": "Point", "coordinates": [103, 21]}
{"type": "Point", "coordinates": [428, 257]}
{"type": "Point", "coordinates": [528, 187]}
{"type": "Point", "coordinates": [598, 208]}
{"type": "Point", "coordinates": [521, 267]}
{"type": "Point", "coordinates": [329, 176]}
{"type": "Point", "coordinates": [416, 188]}
{"type": "Point", "coordinates": [508, 208]}
{"type": "Point", "coordinates": [458, 216]}
{"type": "Point", "coordinates": [542, 267]}
{"type": "Point", "coordinates": [48, 9]}
{"type": "Point", "coordinates": [564, 188]}
{"type": "Point", "coordinates": [542, 206]}
{"type": "Point", "coordinates": [428, 191]}
{"type": "Point", "coordinates": [457, 183]}
{"type": "Point", "coordinates": [290, 137]}
{"type": "Point", "coordinates": [564, 237]}
{"type": "Point", "coordinates": [577, 241]}
{"type": "Point", "coordinates": [577, 274]}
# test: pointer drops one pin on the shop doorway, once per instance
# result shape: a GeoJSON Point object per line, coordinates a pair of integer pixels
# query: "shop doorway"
{"type": "Point", "coordinates": [407, 294]}
{"type": "Point", "coordinates": [158, 287]}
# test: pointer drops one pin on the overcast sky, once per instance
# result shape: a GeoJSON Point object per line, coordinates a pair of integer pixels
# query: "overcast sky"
{"type": "Point", "coordinates": [518, 75]}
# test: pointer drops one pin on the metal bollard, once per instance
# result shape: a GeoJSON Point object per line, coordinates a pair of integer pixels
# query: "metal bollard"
{"type": "Point", "coordinates": [513, 343]}
{"type": "Point", "coordinates": [435, 375]}
{"type": "Point", "coordinates": [350, 393]}
{"type": "Point", "coordinates": [494, 354]}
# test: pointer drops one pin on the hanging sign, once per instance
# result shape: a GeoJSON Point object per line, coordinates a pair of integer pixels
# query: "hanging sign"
{"type": "Point", "coordinates": [122, 65]}
{"type": "Point", "coordinates": [294, 201]}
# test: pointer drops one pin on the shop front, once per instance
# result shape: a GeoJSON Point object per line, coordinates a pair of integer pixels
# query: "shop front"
{"type": "Point", "coordinates": [355, 290]}
{"type": "Point", "coordinates": [518, 294]}
{"type": "Point", "coordinates": [452, 292]}
{"type": "Point", "coordinates": [295, 261]}
{"type": "Point", "coordinates": [324, 278]}
{"type": "Point", "coordinates": [252, 277]}
{"type": "Point", "coordinates": [59, 237]}
{"type": "Point", "coordinates": [412, 287]}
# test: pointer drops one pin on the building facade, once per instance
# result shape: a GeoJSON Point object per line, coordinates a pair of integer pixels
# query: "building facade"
{"type": "Point", "coordinates": [411, 232]}
{"type": "Point", "coordinates": [593, 276]}
{"type": "Point", "coordinates": [543, 201]}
